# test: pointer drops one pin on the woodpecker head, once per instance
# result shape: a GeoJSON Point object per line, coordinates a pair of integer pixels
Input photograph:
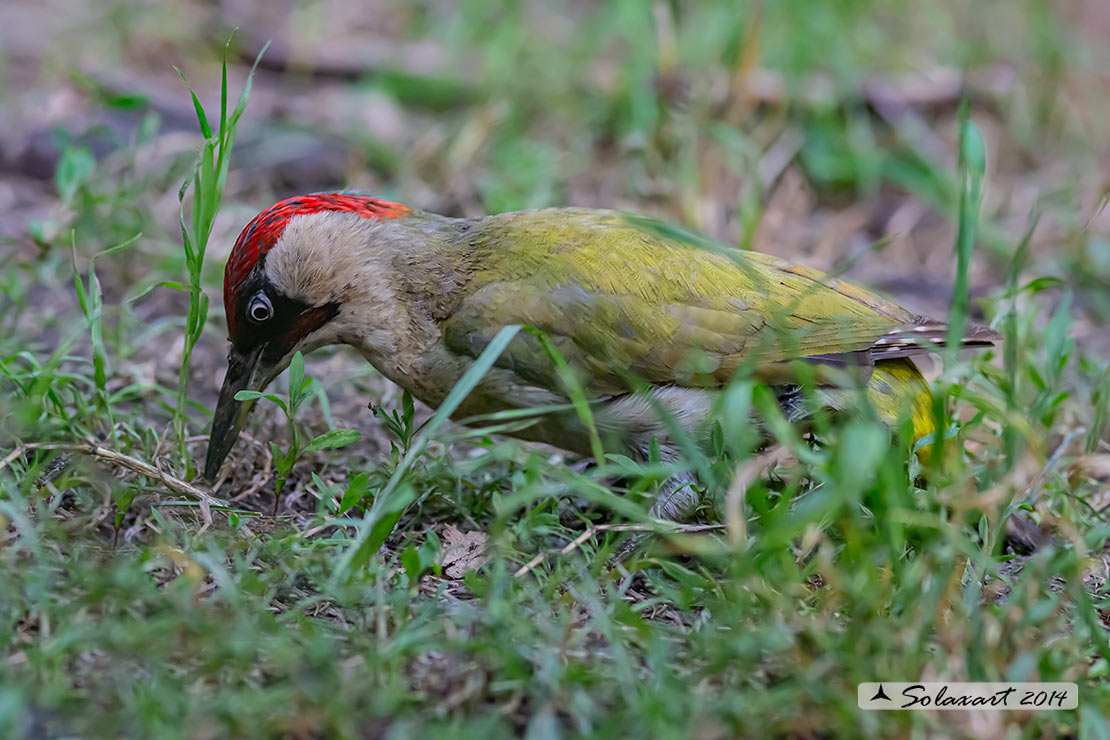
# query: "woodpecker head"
{"type": "Point", "coordinates": [287, 279]}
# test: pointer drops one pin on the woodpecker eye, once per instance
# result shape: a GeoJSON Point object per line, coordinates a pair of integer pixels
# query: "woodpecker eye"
{"type": "Point", "coordinates": [260, 308]}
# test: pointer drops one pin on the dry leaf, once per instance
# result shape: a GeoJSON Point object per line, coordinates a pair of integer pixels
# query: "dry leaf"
{"type": "Point", "coordinates": [1094, 467]}
{"type": "Point", "coordinates": [462, 551]}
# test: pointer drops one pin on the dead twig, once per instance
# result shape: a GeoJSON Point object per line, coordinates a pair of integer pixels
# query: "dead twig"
{"type": "Point", "coordinates": [746, 474]}
{"type": "Point", "coordinates": [15, 454]}
{"type": "Point", "coordinates": [591, 531]}
{"type": "Point", "coordinates": [938, 87]}
{"type": "Point", "coordinates": [132, 464]}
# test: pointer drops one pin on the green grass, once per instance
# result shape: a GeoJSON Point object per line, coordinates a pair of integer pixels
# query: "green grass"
{"type": "Point", "coordinates": [123, 614]}
{"type": "Point", "coordinates": [208, 182]}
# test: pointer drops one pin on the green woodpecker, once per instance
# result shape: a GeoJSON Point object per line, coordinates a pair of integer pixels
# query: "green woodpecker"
{"type": "Point", "coordinates": [625, 300]}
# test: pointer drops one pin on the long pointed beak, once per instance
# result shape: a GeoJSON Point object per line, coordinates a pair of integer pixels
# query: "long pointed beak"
{"type": "Point", "coordinates": [244, 372]}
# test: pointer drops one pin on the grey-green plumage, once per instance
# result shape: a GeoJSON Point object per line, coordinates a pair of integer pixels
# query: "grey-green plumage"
{"type": "Point", "coordinates": [627, 302]}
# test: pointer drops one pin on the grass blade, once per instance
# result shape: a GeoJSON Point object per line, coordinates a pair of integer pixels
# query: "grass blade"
{"type": "Point", "coordinates": [360, 549]}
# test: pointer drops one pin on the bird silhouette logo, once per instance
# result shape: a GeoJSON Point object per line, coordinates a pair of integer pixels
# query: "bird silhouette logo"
{"type": "Point", "coordinates": [880, 694]}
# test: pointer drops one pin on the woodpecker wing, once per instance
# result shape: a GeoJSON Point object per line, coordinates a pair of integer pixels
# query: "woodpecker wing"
{"type": "Point", "coordinates": [622, 296]}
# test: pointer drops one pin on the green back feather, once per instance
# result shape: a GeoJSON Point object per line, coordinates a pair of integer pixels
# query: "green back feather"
{"type": "Point", "coordinates": [624, 295]}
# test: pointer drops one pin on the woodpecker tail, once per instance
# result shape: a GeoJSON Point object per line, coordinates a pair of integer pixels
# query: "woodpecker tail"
{"type": "Point", "coordinates": [897, 388]}
{"type": "Point", "coordinates": [925, 335]}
